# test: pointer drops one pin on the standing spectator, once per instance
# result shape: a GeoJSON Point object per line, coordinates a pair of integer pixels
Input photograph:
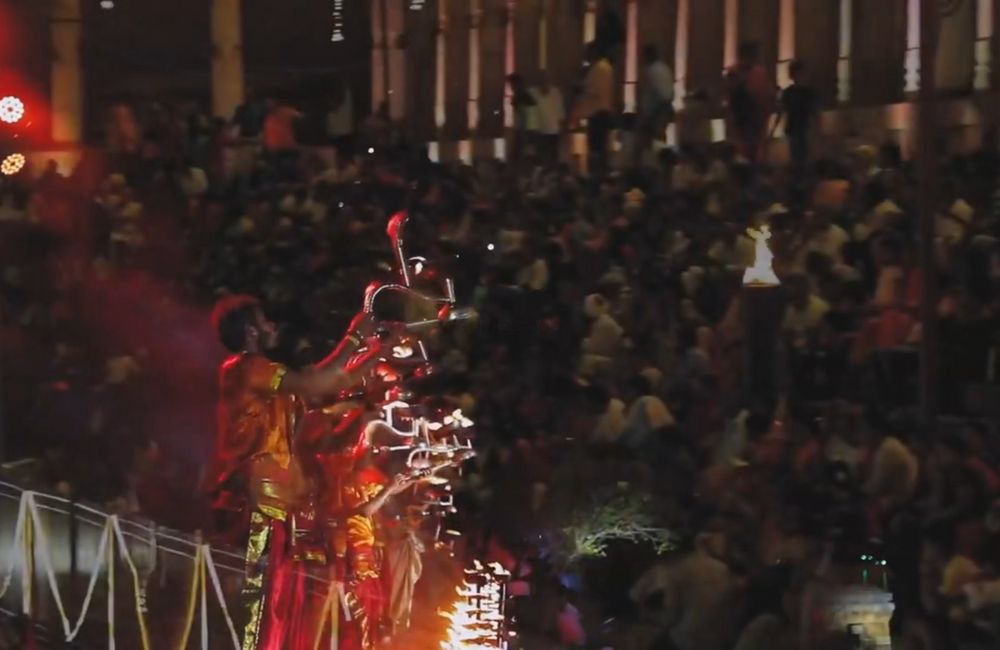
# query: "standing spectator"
{"type": "Point", "coordinates": [340, 122]}
{"type": "Point", "coordinates": [550, 115]}
{"type": "Point", "coordinates": [798, 111]}
{"type": "Point", "coordinates": [656, 98]}
{"type": "Point", "coordinates": [751, 101]}
{"type": "Point", "coordinates": [523, 103]}
{"type": "Point", "coordinates": [596, 106]}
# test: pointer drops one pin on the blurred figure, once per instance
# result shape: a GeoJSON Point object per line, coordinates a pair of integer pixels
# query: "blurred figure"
{"type": "Point", "coordinates": [656, 100]}
{"type": "Point", "coordinates": [597, 107]}
{"type": "Point", "coordinates": [250, 115]}
{"type": "Point", "coordinates": [340, 122]}
{"type": "Point", "coordinates": [550, 118]}
{"type": "Point", "coordinates": [524, 104]}
{"type": "Point", "coordinates": [751, 101]}
{"type": "Point", "coordinates": [797, 110]}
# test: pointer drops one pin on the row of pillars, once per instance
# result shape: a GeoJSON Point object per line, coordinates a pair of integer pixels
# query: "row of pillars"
{"type": "Point", "coordinates": [698, 53]}
{"type": "Point", "coordinates": [66, 90]}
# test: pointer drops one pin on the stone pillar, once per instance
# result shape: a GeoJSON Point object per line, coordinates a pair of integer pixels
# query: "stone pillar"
{"type": "Point", "coordinates": [543, 37]}
{"type": "Point", "coordinates": [509, 61]}
{"type": "Point", "coordinates": [631, 54]}
{"type": "Point", "coordinates": [227, 57]}
{"type": "Point", "coordinates": [731, 18]}
{"type": "Point", "coordinates": [681, 45]}
{"type": "Point", "coordinates": [844, 52]}
{"type": "Point", "coordinates": [67, 75]}
{"type": "Point", "coordinates": [786, 40]}
{"type": "Point", "coordinates": [984, 44]}
{"type": "Point", "coordinates": [440, 63]}
{"type": "Point", "coordinates": [590, 21]}
{"type": "Point", "coordinates": [475, 17]}
{"type": "Point", "coordinates": [911, 80]}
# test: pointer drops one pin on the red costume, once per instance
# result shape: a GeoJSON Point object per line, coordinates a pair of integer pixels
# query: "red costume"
{"type": "Point", "coordinates": [254, 460]}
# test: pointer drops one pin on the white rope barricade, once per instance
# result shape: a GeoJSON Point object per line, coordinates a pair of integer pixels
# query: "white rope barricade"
{"type": "Point", "coordinates": [30, 540]}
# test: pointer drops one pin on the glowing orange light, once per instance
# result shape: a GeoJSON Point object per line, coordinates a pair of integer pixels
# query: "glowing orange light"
{"type": "Point", "coordinates": [12, 164]}
{"type": "Point", "coordinates": [761, 274]}
{"type": "Point", "coordinates": [476, 622]}
{"type": "Point", "coordinates": [11, 109]}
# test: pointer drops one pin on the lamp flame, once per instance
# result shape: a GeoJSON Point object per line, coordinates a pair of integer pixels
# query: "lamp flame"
{"type": "Point", "coordinates": [761, 273]}
{"type": "Point", "coordinates": [477, 619]}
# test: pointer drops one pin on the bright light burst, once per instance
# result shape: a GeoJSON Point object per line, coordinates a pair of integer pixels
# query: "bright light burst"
{"type": "Point", "coordinates": [12, 164]}
{"type": "Point", "coordinates": [11, 109]}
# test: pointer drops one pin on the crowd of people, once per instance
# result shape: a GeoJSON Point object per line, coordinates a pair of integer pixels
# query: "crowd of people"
{"type": "Point", "coordinates": [609, 352]}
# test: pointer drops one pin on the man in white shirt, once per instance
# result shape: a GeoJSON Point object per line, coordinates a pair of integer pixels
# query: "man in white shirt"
{"type": "Point", "coordinates": [549, 116]}
{"type": "Point", "coordinates": [656, 99]}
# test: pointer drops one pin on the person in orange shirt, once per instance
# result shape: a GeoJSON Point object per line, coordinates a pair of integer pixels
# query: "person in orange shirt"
{"type": "Point", "coordinates": [279, 129]}
{"type": "Point", "coordinates": [260, 405]}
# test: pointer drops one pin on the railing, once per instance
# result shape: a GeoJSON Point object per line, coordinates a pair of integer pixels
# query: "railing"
{"type": "Point", "coordinates": [88, 577]}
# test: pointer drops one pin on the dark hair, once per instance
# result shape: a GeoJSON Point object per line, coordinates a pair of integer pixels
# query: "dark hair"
{"type": "Point", "coordinates": [230, 318]}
